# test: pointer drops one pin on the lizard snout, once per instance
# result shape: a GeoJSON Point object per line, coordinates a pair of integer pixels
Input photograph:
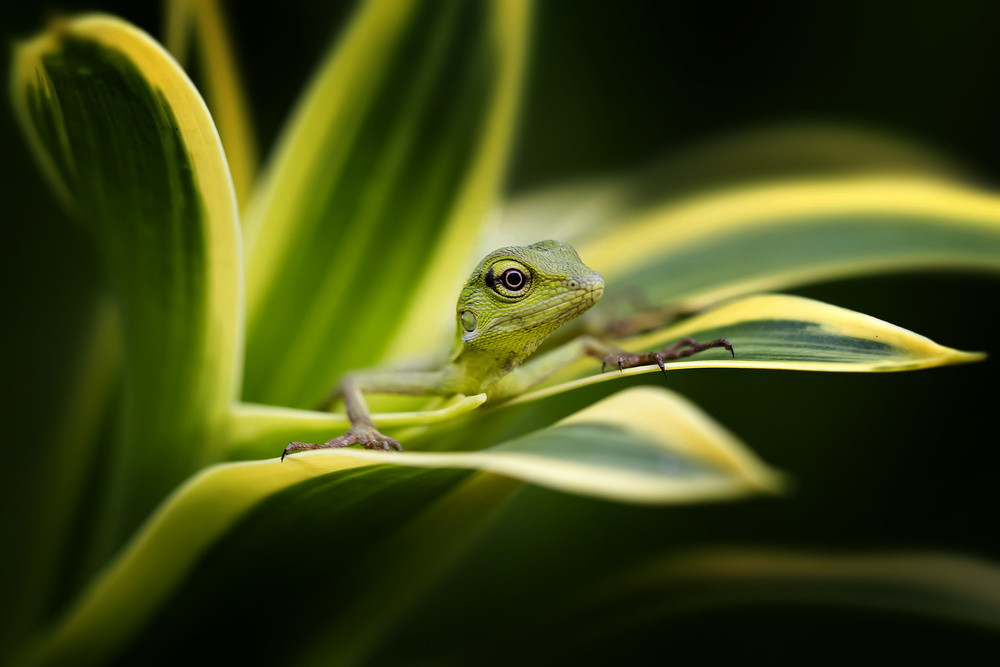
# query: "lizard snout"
{"type": "Point", "coordinates": [590, 286]}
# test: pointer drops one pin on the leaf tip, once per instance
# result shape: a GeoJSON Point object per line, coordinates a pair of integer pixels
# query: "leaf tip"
{"type": "Point", "coordinates": [961, 357]}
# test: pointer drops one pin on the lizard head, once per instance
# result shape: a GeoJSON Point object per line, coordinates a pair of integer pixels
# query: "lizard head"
{"type": "Point", "coordinates": [519, 295]}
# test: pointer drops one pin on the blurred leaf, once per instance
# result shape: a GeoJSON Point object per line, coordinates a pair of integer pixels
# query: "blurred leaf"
{"type": "Point", "coordinates": [373, 199]}
{"type": "Point", "coordinates": [49, 556]}
{"type": "Point", "coordinates": [130, 145]}
{"type": "Point", "coordinates": [764, 237]}
{"type": "Point", "coordinates": [576, 211]}
{"type": "Point", "coordinates": [222, 83]}
{"type": "Point", "coordinates": [780, 332]}
{"type": "Point", "coordinates": [644, 445]}
{"type": "Point", "coordinates": [935, 585]}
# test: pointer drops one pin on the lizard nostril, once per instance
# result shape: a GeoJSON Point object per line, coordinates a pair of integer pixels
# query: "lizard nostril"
{"type": "Point", "coordinates": [573, 284]}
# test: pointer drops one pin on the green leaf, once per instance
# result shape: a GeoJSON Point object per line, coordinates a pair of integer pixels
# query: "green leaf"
{"type": "Point", "coordinates": [374, 197]}
{"type": "Point", "coordinates": [131, 150]}
{"type": "Point", "coordinates": [644, 445]}
{"type": "Point", "coordinates": [728, 243]}
{"type": "Point", "coordinates": [777, 331]}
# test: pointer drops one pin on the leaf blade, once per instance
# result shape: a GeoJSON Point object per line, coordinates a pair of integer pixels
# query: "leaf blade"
{"type": "Point", "coordinates": [782, 332]}
{"type": "Point", "coordinates": [636, 455]}
{"type": "Point", "coordinates": [131, 147]}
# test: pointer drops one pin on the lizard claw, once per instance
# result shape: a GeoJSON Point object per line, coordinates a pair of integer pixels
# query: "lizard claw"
{"type": "Point", "coordinates": [659, 362]}
{"type": "Point", "coordinates": [621, 362]}
{"type": "Point", "coordinates": [297, 446]}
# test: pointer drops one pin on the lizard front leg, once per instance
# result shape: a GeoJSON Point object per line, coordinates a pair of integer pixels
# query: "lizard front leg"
{"type": "Point", "coordinates": [363, 431]}
{"type": "Point", "coordinates": [685, 347]}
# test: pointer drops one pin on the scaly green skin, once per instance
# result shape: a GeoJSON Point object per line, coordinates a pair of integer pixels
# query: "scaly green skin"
{"type": "Point", "coordinates": [512, 302]}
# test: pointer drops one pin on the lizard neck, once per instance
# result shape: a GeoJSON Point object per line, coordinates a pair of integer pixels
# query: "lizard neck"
{"type": "Point", "coordinates": [477, 370]}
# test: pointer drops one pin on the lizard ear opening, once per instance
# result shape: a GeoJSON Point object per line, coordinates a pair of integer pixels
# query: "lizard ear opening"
{"type": "Point", "coordinates": [468, 319]}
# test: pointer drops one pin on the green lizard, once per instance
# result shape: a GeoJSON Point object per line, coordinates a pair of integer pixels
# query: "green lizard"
{"type": "Point", "coordinates": [513, 301]}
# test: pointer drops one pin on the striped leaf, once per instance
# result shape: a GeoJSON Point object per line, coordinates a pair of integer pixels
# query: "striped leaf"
{"type": "Point", "coordinates": [778, 331]}
{"type": "Point", "coordinates": [131, 149]}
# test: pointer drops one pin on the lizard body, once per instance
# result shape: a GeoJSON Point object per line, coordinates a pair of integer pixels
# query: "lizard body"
{"type": "Point", "coordinates": [515, 298]}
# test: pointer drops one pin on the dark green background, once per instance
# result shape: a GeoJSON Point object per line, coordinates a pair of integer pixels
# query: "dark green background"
{"type": "Point", "coordinates": [880, 461]}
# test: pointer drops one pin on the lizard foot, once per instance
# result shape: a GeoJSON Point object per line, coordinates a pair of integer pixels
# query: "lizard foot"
{"type": "Point", "coordinates": [685, 347]}
{"type": "Point", "coordinates": [367, 436]}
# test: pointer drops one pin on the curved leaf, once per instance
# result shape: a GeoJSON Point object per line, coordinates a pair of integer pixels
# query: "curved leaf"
{"type": "Point", "coordinates": [378, 185]}
{"type": "Point", "coordinates": [643, 445]}
{"type": "Point", "coordinates": [131, 147]}
{"type": "Point", "coordinates": [764, 237]}
{"type": "Point", "coordinates": [780, 332]}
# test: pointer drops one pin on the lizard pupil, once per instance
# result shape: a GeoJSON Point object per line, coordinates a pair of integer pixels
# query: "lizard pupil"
{"type": "Point", "coordinates": [512, 279]}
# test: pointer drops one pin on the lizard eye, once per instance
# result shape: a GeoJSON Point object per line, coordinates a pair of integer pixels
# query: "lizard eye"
{"type": "Point", "coordinates": [513, 279]}
{"type": "Point", "coordinates": [509, 279]}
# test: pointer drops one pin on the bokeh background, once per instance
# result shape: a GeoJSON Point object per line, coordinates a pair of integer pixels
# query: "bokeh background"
{"type": "Point", "coordinates": [880, 461]}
